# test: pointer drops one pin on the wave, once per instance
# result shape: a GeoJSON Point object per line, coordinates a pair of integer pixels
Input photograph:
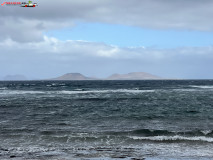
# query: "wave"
{"type": "Point", "coordinates": [174, 138]}
{"type": "Point", "coordinates": [76, 91]}
{"type": "Point", "coordinates": [148, 132]}
{"type": "Point", "coordinates": [3, 88]}
{"type": "Point", "coordinates": [202, 86]}
{"type": "Point", "coordinates": [186, 90]}
{"type": "Point", "coordinates": [6, 92]}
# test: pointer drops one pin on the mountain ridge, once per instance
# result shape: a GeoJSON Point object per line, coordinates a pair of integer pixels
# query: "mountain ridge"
{"type": "Point", "coordinates": [72, 76]}
{"type": "Point", "coordinates": [16, 77]}
{"type": "Point", "coordinates": [133, 76]}
{"type": "Point", "coordinates": [116, 76]}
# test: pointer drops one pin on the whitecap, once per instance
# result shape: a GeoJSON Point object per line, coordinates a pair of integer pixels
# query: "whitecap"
{"type": "Point", "coordinates": [174, 138]}
{"type": "Point", "coordinates": [202, 86]}
{"type": "Point", "coordinates": [105, 91]}
{"type": "Point", "coordinates": [17, 92]}
{"type": "Point", "coordinates": [185, 90]}
{"type": "Point", "coordinates": [76, 91]}
{"type": "Point", "coordinates": [3, 88]}
{"type": "Point", "coordinates": [205, 132]}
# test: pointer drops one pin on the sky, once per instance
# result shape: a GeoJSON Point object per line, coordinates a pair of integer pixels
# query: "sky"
{"type": "Point", "coordinates": [168, 38]}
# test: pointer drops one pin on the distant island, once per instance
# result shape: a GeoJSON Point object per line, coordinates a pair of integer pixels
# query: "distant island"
{"type": "Point", "coordinates": [129, 76]}
{"type": "Point", "coordinates": [133, 76]}
{"type": "Point", "coordinates": [73, 76]}
{"type": "Point", "coordinates": [79, 76]}
{"type": "Point", "coordinates": [14, 78]}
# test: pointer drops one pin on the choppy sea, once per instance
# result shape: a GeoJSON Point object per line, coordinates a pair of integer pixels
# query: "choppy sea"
{"type": "Point", "coordinates": [92, 120]}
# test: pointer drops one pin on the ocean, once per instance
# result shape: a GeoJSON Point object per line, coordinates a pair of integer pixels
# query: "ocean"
{"type": "Point", "coordinates": [92, 120]}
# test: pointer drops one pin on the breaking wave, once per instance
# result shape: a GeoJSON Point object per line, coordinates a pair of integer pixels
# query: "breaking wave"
{"type": "Point", "coordinates": [76, 91]}
{"type": "Point", "coordinates": [174, 138]}
{"type": "Point", "coordinates": [148, 132]}
{"type": "Point", "coordinates": [202, 86]}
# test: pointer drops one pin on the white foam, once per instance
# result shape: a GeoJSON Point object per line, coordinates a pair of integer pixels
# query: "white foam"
{"type": "Point", "coordinates": [105, 91]}
{"type": "Point", "coordinates": [16, 92]}
{"type": "Point", "coordinates": [77, 91]}
{"type": "Point", "coordinates": [202, 87]}
{"type": "Point", "coordinates": [31, 149]}
{"type": "Point", "coordinates": [173, 138]}
{"type": "Point", "coordinates": [3, 88]}
{"type": "Point", "coordinates": [206, 132]}
{"type": "Point", "coordinates": [4, 121]}
{"type": "Point", "coordinates": [185, 90]}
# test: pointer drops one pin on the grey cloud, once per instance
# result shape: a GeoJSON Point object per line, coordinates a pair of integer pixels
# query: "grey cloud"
{"type": "Point", "coordinates": [26, 30]}
{"type": "Point", "coordinates": [20, 30]}
{"type": "Point", "coordinates": [27, 24]}
{"type": "Point", "coordinates": [163, 14]}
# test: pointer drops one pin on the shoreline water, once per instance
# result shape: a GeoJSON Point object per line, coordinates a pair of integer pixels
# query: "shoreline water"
{"type": "Point", "coordinates": [106, 120]}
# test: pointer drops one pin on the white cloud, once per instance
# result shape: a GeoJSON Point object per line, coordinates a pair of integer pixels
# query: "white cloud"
{"type": "Point", "coordinates": [85, 48]}
{"type": "Point", "coordinates": [52, 57]}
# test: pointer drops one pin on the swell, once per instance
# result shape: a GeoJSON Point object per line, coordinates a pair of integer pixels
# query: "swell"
{"type": "Point", "coordinates": [148, 132]}
{"type": "Point", "coordinates": [174, 139]}
{"type": "Point", "coordinates": [67, 92]}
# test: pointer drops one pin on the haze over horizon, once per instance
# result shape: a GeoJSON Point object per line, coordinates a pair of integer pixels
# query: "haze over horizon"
{"type": "Point", "coordinates": [168, 38]}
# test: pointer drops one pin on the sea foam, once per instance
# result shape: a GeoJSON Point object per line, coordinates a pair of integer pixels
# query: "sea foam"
{"type": "Point", "coordinates": [174, 138]}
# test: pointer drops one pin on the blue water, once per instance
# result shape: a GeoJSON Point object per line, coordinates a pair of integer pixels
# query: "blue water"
{"type": "Point", "coordinates": [106, 119]}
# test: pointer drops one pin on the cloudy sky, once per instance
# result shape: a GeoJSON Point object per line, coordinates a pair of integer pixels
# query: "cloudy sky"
{"type": "Point", "coordinates": [168, 38]}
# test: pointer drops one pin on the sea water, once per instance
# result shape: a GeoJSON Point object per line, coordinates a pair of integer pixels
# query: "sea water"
{"type": "Point", "coordinates": [106, 119]}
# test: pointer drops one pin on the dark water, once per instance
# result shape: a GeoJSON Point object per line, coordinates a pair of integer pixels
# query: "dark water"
{"type": "Point", "coordinates": [106, 119]}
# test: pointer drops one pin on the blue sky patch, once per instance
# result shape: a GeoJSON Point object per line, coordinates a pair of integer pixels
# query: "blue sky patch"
{"type": "Point", "coordinates": [130, 36]}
